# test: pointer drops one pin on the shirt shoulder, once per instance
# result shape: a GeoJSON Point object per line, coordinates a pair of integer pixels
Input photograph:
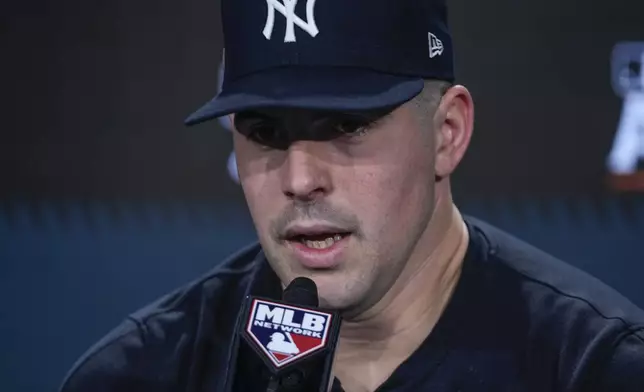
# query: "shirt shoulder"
{"type": "Point", "coordinates": [154, 348]}
{"type": "Point", "coordinates": [542, 275]}
{"type": "Point", "coordinates": [561, 315]}
{"type": "Point", "coordinates": [623, 369]}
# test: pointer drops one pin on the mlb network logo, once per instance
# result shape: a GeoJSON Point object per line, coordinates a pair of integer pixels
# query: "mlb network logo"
{"type": "Point", "coordinates": [286, 333]}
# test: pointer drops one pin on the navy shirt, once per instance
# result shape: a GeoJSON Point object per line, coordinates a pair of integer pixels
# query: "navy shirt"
{"type": "Point", "coordinates": [519, 320]}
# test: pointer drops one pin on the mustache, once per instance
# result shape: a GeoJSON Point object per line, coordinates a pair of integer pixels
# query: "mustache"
{"type": "Point", "coordinates": [317, 211]}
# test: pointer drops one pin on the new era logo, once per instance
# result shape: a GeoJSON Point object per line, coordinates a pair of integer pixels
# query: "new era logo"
{"type": "Point", "coordinates": [435, 46]}
{"type": "Point", "coordinates": [287, 333]}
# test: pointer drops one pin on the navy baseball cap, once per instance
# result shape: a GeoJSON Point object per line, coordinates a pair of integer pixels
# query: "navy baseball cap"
{"type": "Point", "coordinates": [344, 55]}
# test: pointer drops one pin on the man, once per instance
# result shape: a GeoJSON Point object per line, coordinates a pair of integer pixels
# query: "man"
{"type": "Point", "coordinates": [348, 127]}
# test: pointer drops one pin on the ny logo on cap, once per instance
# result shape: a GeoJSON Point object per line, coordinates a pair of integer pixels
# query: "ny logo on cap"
{"type": "Point", "coordinates": [287, 8]}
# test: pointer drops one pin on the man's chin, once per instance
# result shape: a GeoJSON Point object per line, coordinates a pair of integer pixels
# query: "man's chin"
{"type": "Point", "coordinates": [335, 291]}
{"type": "Point", "coordinates": [333, 305]}
{"type": "Point", "coordinates": [336, 300]}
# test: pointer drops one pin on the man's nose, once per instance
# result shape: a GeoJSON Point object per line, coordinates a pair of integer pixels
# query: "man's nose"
{"type": "Point", "coordinates": [305, 175]}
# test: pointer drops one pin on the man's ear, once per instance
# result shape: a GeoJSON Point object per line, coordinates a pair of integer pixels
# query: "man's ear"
{"type": "Point", "coordinates": [454, 122]}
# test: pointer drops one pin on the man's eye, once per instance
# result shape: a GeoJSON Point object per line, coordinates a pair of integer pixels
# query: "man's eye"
{"type": "Point", "coordinates": [353, 127]}
{"type": "Point", "coordinates": [267, 135]}
{"type": "Point", "coordinates": [258, 128]}
{"type": "Point", "coordinates": [261, 133]}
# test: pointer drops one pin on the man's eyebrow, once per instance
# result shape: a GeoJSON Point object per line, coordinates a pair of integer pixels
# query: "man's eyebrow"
{"type": "Point", "coordinates": [321, 118]}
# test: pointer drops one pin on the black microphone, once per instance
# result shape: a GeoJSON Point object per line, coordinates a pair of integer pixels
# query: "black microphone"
{"type": "Point", "coordinates": [295, 339]}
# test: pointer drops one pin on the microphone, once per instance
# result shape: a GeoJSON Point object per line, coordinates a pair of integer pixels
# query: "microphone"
{"type": "Point", "coordinates": [295, 339]}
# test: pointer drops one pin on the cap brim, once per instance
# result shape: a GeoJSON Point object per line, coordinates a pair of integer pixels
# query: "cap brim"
{"type": "Point", "coordinates": [341, 89]}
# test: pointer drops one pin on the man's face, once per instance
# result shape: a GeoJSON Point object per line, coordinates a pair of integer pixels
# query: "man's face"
{"type": "Point", "coordinates": [339, 198]}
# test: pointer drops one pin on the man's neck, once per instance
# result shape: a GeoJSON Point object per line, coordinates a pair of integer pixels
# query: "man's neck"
{"type": "Point", "coordinates": [372, 345]}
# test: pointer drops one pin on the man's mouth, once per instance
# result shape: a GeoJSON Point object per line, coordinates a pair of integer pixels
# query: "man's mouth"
{"type": "Point", "coordinates": [319, 241]}
{"type": "Point", "coordinates": [317, 246]}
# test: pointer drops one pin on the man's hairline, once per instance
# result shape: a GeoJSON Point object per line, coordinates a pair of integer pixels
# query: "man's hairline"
{"type": "Point", "coordinates": [427, 101]}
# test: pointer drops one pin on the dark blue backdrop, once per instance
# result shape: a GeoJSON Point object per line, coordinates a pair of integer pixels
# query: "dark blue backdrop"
{"type": "Point", "coordinates": [71, 271]}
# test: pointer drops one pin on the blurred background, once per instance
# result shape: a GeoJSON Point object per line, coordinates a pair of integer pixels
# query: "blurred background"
{"type": "Point", "coordinates": [107, 201]}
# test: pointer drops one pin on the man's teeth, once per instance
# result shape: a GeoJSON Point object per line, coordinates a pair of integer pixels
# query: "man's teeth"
{"type": "Point", "coordinates": [327, 243]}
